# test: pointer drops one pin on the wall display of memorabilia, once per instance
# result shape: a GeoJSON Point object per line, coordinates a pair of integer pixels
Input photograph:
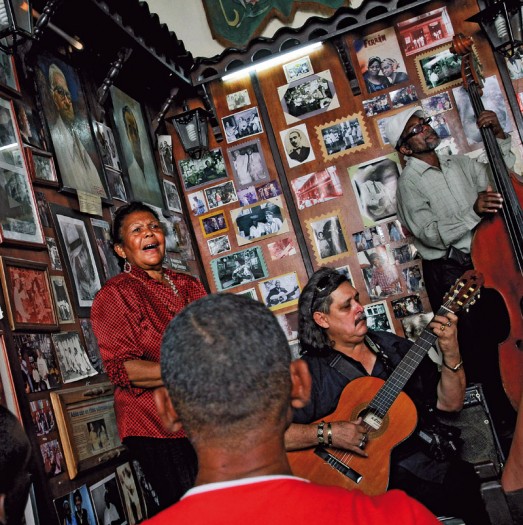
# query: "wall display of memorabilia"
{"type": "Point", "coordinates": [297, 145]}
{"type": "Point", "coordinates": [248, 163]}
{"type": "Point", "coordinates": [380, 60]}
{"type": "Point", "coordinates": [108, 257]}
{"type": "Point", "coordinates": [297, 69]}
{"type": "Point", "coordinates": [165, 152]}
{"type": "Point", "coordinates": [409, 305]}
{"type": "Point", "coordinates": [438, 69]}
{"type": "Point", "coordinates": [343, 136]}
{"type": "Point", "coordinates": [220, 195]}
{"type": "Point", "coordinates": [281, 248]}
{"type": "Point", "coordinates": [425, 31]}
{"type": "Point", "coordinates": [378, 316]}
{"type": "Point", "coordinates": [67, 114]}
{"type": "Point", "coordinates": [91, 345]}
{"type": "Point", "coordinates": [280, 292]}
{"type": "Point", "coordinates": [268, 190]}
{"type": "Point", "coordinates": [75, 507]}
{"type": "Point", "coordinates": [413, 325]}
{"type": "Point", "coordinates": [30, 126]}
{"type": "Point", "coordinates": [403, 96]}
{"type": "Point", "coordinates": [318, 187]}
{"type": "Point", "coordinates": [172, 196]}
{"type": "Point", "coordinates": [307, 97]}
{"type": "Point", "coordinates": [368, 238]}
{"type": "Point", "coordinates": [381, 276]}
{"type": "Point", "coordinates": [328, 237]}
{"type": "Point", "coordinates": [106, 143]}
{"type": "Point", "coordinates": [64, 308]}
{"type": "Point", "coordinates": [137, 152]}
{"type": "Point", "coordinates": [197, 172]}
{"type": "Point", "coordinates": [239, 268]}
{"type": "Point", "coordinates": [374, 185]}
{"type": "Point", "coordinates": [376, 105]}
{"type": "Point", "coordinates": [54, 256]}
{"type": "Point", "coordinates": [27, 293]}
{"type": "Point", "coordinates": [72, 358]}
{"type": "Point", "coordinates": [129, 489]}
{"type": "Point", "coordinates": [241, 125]}
{"type": "Point", "coordinates": [8, 76]}
{"type": "Point", "coordinates": [107, 501]}
{"type": "Point", "coordinates": [238, 99]}
{"type": "Point", "coordinates": [260, 220]}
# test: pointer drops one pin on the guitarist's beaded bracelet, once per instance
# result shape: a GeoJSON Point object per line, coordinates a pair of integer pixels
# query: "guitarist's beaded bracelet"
{"type": "Point", "coordinates": [321, 439]}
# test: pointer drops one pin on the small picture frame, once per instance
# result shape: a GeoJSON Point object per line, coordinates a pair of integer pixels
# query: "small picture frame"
{"type": "Point", "coordinates": [62, 301]}
{"type": "Point", "coordinates": [413, 276]}
{"type": "Point", "coordinates": [219, 245]}
{"type": "Point", "coordinates": [214, 223]}
{"type": "Point", "coordinates": [297, 145]}
{"type": "Point", "coordinates": [65, 507]}
{"type": "Point", "coordinates": [8, 76]}
{"type": "Point", "coordinates": [87, 426]}
{"type": "Point", "coordinates": [105, 139]}
{"type": "Point", "coordinates": [268, 190]}
{"type": "Point", "coordinates": [133, 504]}
{"type": "Point", "coordinates": [381, 275]}
{"type": "Point", "coordinates": [280, 292]}
{"type": "Point", "coordinates": [197, 203]}
{"type": "Point", "coordinates": [107, 500]}
{"type": "Point", "coordinates": [116, 185]}
{"type": "Point", "coordinates": [27, 292]}
{"type": "Point", "coordinates": [248, 163]}
{"type": "Point", "coordinates": [30, 126]}
{"type": "Point", "coordinates": [281, 248]}
{"type": "Point", "coordinates": [437, 104]}
{"type": "Point", "coordinates": [376, 105]}
{"type": "Point", "coordinates": [403, 96]}
{"type": "Point", "coordinates": [378, 317]}
{"type": "Point", "coordinates": [54, 255]}
{"type": "Point", "coordinates": [297, 69]}
{"type": "Point", "coordinates": [368, 238]}
{"type": "Point", "coordinates": [172, 196]}
{"type": "Point", "coordinates": [238, 99]}
{"type": "Point", "coordinates": [247, 196]}
{"type": "Point", "coordinates": [41, 167]}
{"type": "Point", "coordinates": [165, 151]}
{"type": "Point", "coordinates": [72, 358]}
{"type": "Point", "coordinates": [241, 125]}
{"type": "Point", "coordinates": [328, 237]}
{"type": "Point", "coordinates": [220, 195]}
{"type": "Point", "coordinates": [438, 69]}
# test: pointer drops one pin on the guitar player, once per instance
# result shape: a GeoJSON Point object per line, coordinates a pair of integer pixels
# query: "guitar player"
{"type": "Point", "coordinates": [332, 323]}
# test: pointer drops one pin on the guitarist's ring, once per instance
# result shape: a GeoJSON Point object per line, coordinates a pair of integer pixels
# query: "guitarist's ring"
{"type": "Point", "coordinates": [442, 327]}
{"type": "Point", "coordinates": [449, 323]}
{"type": "Point", "coordinates": [362, 444]}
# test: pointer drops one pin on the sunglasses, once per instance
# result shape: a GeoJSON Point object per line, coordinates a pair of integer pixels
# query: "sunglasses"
{"type": "Point", "coordinates": [416, 130]}
{"type": "Point", "coordinates": [325, 286]}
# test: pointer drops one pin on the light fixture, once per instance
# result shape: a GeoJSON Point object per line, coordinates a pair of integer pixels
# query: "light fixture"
{"type": "Point", "coordinates": [16, 23]}
{"type": "Point", "coordinates": [271, 62]}
{"type": "Point", "coordinates": [191, 126]}
{"type": "Point", "coordinates": [502, 23]}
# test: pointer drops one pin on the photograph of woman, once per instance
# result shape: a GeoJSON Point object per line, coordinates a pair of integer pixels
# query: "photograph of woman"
{"type": "Point", "coordinates": [374, 78]}
{"type": "Point", "coordinates": [129, 315]}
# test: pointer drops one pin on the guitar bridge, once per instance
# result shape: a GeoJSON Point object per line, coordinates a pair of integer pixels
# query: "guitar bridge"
{"type": "Point", "coordinates": [334, 462]}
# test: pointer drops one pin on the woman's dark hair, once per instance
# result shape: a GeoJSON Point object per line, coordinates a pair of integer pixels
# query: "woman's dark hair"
{"type": "Point", "coordinates": [374, 59]}
{"type": "Point", "coordinates": [316, 297]}
{"type": "Point", "coordinates": [122, 212]}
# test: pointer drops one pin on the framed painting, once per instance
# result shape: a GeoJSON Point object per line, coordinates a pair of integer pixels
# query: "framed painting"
{"type": "Point", "coordinates": [66, 110]}
{"type": "Point", "coordinates": [19, 220]}
{"type": "Point", "coordinates": [77, 245]}
{"type": "Point", "coordinates": [136, 147]}
{"type": "Point", "coordinates": [41, 167]}
{"type": "Point", "coordinates": [28, 297]}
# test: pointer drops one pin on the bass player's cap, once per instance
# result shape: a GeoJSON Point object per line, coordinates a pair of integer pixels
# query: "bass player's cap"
{"type": "Point", "coordinates": [395, 125]}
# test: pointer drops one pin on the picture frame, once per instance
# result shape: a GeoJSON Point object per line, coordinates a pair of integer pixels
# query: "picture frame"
{"type": "Point", "coordinates": [165, 152]}
{"type": "Point", "coordinates": [436, 104]}
{"type": "Point", "coordinates": [41, 167]}
{"type": "Point", "coordinates": [378, 317]}
{"type": "Point", "coordinates": [77, 245]}
{"type": "Point", "coordinates": [297, 69]}
{"type": "Point", "coordinates": [281, 248]}
{"type": "Point", "coordinates": [133, 503]}
{"type": "Point", "coordinates": [241, 125]}
{"type": "Point", "coordinates": [403, 96]}
{"type": "Point", "coordinates": [408, 305]}
{"type": "Point", "coordinates": [413, 277]}
{"type": "Point", "coordinates": [317, 187]}
{"type": "Point", "coordinates": [30, 126]}
{"type": "Point", "coordinates": [280, 292]}
{"type": "Point", "coordinates": [248, 163]}
{"type": "Point", "coordinates": [213, 223]}
{"type": "Point", "coordinates": [220, 244]}
{"type": "Point", "coordinates": [19, 219]}
{"type": "Point", "coordinates": [297, 145]}
{"type": "Point", "coordinates": [54, 254]}
{"type": "Point", "coordinates": [238, 99]}
{"type": "Point", "coordinates": [8, 76]}
{"type": "Point", "coordinates": [108, 257]}
{"type": "Point", "coordinates": [64, 308]}
{"type": "Point", "coordinates": [268, 190]}
{"type": "Point", "coordinates": [199, 172]}
{"type": "Point", "coordinates": [328, 237]}
{"type": "Point", "coordinates": [438, 69]}
{"type": "Point", "coordinates": [376, 105]}
{"type": "Point", "coordinates": [220, 195]}
{"type": "Point", "coordinates": [73, 361]}
{"type": "Point", "coordinates": [381, 280]}
{"type": "Point", "coordinates": [116, 185]}
{"type": "Point", "coordinates": [105, 139]}
{"type": "Point", "coordinates": [197, 203]}
{"type": "Point", "coordinates": [65, 506]}
{"type": "Point", "coordinates": [105, 495]}
{"type": "Point", "coordinates": [172, 196]}
{"type": "Point", "coordinates": [79, 412]}
{"type": "Point", "coordinates": [27, 292]}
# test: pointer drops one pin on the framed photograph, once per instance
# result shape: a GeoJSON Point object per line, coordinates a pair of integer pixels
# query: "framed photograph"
{"type": "Point", "coordinates": [220, 195]}
{"type": "Point", "coordinates": [308, 97]}
{"type": "Point", "coordinates": [42, 416]}
{"type": "Point", "coordinates": [106, 143]}
{"type": "Point", "coordinates": [214, 223]}
{"type": "Point", "coordinates": [281, 248]}
{"type": "Point", "coordinates": [413, 325]}
{"type": "Point", "coordinates": [268, 190]}
{"type": "Point", "coordinates": [198, 172]}
{"type": "Point", "coordinates": [436, 104]}
{"type": "Point", "coordinates": [43, 209]}
{"type": "Point", "coordinates": [52, 457]}
{"type": "Point", "coordinates": [374, 185]}
{"type": "Point", "coordinates": [41, 167]}
{"type": "Point", "coordinates": [91, 345]}
{"type": "Point", "coordinates": [438, 69]}
{"type": "Point", "coordinates": [219, 245]}
{"type": "Point", "coordinates": [172, 196]}
{"type": "Point", "coordinates": [403, 96]}
{"type": "Point", "coordinates": [109, 259]}
{"type": "Point", "coordinates": [27, 293]}
{"type": "Point", "coordinates": [297, 145]}
{"type": "Point", "coordinates": [247, 196]}
{"type": "Point", "coordinates": [19, 221]}
{"type": "Point", "coordinates": [368, 238]}
{"type": "Point", "coordinates": [197, 203]}
{"type": "Point", "coordinates": [413, 276]}
{"type": "Point", "coordinates": [248, 163]}
{"type": "Point", "coordinates": [54, 255]}
{"type": "Point", "coordinates": [241, 125]}
{"type": "Point", "coordinates": [8, 76]}
{"type": "Point", "coordinates": [405, 306]}
{"type": "Point", "coordinates": [425, 31]}
{"type": "Point", "coordinates": [239, 268]}
{"type": "Point", "coordinates": [87, 426]}
{"type": "Point", "coordinates": [30, 125]}
{"type": "Point", "coordinates": [72, 358]}
{"type": "Point", "coordinates": [315, 188]}
{"type": "Point", "coordinates": [515, 65]}
{"type": "Point", "coordinates": [380, 125]}
{"type": "Point", "coordinates": [107, 502]}
{"type": "Point", "coordinates": [280, 292]}
{"type": "Point", "coordinates": [261, 220]}
{"type": "Point", "coordinates": [67, 505]}
{"type": "Point", "coordinates": [299, 68]}
{"type": "Point", "coordinates": [116, 185]}
{"type": "Point", "coordinates": [130, 495]}
{"type": "Point", "coordinates": [77, 245]}
{"type": "Point", "coordinates": [238, 99]}
{"type": "Point", "coordinates": [61, 299]}
{"type": "Point", "coordinates": [130, 125]}
{"type": "Point", "coordinates": [378, 317]}
{"type": "Point", "coordinates": [376, 105]}
{"type": "Point", "coordinates": [67, 113]}
{"type": "Point", "coordinates": [343, 136]}
{"type": "Point", "coordinates": [380, 273]}
{"type": "Point", "coordinates": [165, 151]}
{"type": "Point", "coordinates": [439, 123]}
{"type": "Point", "coordinates": [328, 237]}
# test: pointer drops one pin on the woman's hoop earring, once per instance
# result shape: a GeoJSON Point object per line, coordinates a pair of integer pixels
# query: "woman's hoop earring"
{"type": "Point", "coordinates": [127, 266]}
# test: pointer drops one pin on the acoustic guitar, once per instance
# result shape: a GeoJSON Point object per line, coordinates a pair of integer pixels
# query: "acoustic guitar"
{"type": "Point", "coordinates": [389, 415]}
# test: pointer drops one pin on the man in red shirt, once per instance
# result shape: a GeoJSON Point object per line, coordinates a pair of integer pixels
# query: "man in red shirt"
{"type": "Point", "coordinates": [229, 378]}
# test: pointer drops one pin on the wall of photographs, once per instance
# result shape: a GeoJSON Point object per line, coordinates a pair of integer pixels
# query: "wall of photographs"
{"type": "Point", "coordinates": [340, 170]}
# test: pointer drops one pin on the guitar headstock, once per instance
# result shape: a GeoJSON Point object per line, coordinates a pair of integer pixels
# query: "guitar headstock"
{"type": "Point", "coordinates": [465, 291]}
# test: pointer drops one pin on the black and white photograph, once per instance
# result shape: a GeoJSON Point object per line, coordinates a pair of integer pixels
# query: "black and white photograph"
{"type": "Point", "coordinates": [53, 457]}
{"type": "Point", "coordinates": [72, 358]}
{"type": "Point", "coordinates": [165, 152]}
{"type": "Point", "coordinates": [515, 64]}
{"type": "Point", "coordinates": [260, 220]}
{"type": "Point", "coordinates": [436, 104]}
{"type": "Point", "coordinates": [172, 196]}
{"type": "Point", "coordinates": [413, 277]}
{"type": "Point", "coordinates": [241, 125]}
{"type": "Point", "coordinates": [378, 317]}
{"type": "Point", "coordinates": [368, 238]}
{"type": "Point", "coordinates": [403, 96]}
{"type": "Point", "coordinates": [315, 188]}
{"type": "Point", "coordinates": [149, 496]}
{"type": "Point", "coordinates": [220, 195]}
{"type": "Point", "coordinates": [413, 325]}
{"type": "Point", "coordinates": [116, 185]}
{"type": "Point", "coordinates": [374, 185]}
{"type": "Point", "coordinates": [238, 99]}
{"type": "Point", "coordinates": [308, 97]}
{"type": "Point", "coordinates": [75, 508]}
{"type": "Point", "coordinates": [439, 69]}
{"type": "Point", "coordinates": [129, 488]}
{"type": "Point", "coordinates": [219, 245]}
{"type": "Point", "coordinates": [213, 223]}
{"type": "Point", "coordinates": [64, 308]}
{"type": "Point", "coordinates": [268, 190]}
{"type": "Point", "coordinates": [105, 138]}
{"type": "Point", "coordinates": [395, 231]}
{"type": "Point", "coordinates": [377, 105]}
{"type": "Point", "coordinates": [37, 362]}
{"type": "Point", "coordinates": [380, 123]}
{"type": "Point", "coordinates": [280, 292]}
{"type": "Point", "coordinates": [239, 268]}
{"type": "Point", "coordinates": [91, 345]}
{"type": "Point", "coordinates": [197, 203]}
{"type": "Point", "coordinates": [43, 416]}
{"type": "Point", "coordinates": [405, 306]}
{"type": "Point", "coordinates": [381, 276]}
{"type": "Point", "coordinates": [108, 257]}
{"type": "Point", "coordinates": [30, 125]}
{"type": "Point", "coordinates": [298, 69]}
{"type": "Point", "coordinates": [249, 292]}
{"type": "Point", "coordinates": [107, 502]}
{"type": "Point", "coordinates": [248, 163]}
{"type": "Point", "coordinates": [247, 196]}
{"type": "Point", "coordinates": [197, 172]}
{"type": "Point", "coordinates": [342, 136]}
{"type": "Point", "coordinates": [54, 255]}
{"type": "Point", "coordinates": [404, 253]}
{"type": "Point", "coordinates": [43, 209]}
{"type": "Point", "coordinates": [297, 145]}
{"type": "Point", "coordinates": [329, 237]}
{"type": "Point", "coordinates": [41, 167]}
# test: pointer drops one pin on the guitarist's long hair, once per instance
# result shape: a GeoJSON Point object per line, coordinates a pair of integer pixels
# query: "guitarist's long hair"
{"type": "Point", "coordinates": [315, 297]}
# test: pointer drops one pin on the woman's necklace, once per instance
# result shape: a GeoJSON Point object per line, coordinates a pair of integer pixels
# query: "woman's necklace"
{"type": "Point", "coordinates": [169, 281]}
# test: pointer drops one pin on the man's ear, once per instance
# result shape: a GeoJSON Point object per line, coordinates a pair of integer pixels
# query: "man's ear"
{"type": "Point", "coordinates": [320, 319]}
{"type": "Point", "coordinates": [301, 383]}
{"type": "Point", "coordinates": [405, 149]}
{"type": "Point", "coordinates": [166, 411]}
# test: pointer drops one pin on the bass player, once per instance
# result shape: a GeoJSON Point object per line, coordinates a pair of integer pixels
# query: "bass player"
{"type": "Point", "coordinates": [332, 323]}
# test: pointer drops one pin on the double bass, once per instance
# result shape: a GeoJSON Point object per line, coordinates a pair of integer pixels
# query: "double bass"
{"type": "Point", "coordinates": [497, 245]}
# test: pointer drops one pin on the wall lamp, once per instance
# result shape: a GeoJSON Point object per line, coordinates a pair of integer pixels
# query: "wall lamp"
{"type": "Point", "coordinates": [191, 126]}
{"type": "Point", "coordinates": [16, 23]}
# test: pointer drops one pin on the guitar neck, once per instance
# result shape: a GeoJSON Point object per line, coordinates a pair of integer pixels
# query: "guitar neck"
{"type": "Point", "coordinates": [388, 393]}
